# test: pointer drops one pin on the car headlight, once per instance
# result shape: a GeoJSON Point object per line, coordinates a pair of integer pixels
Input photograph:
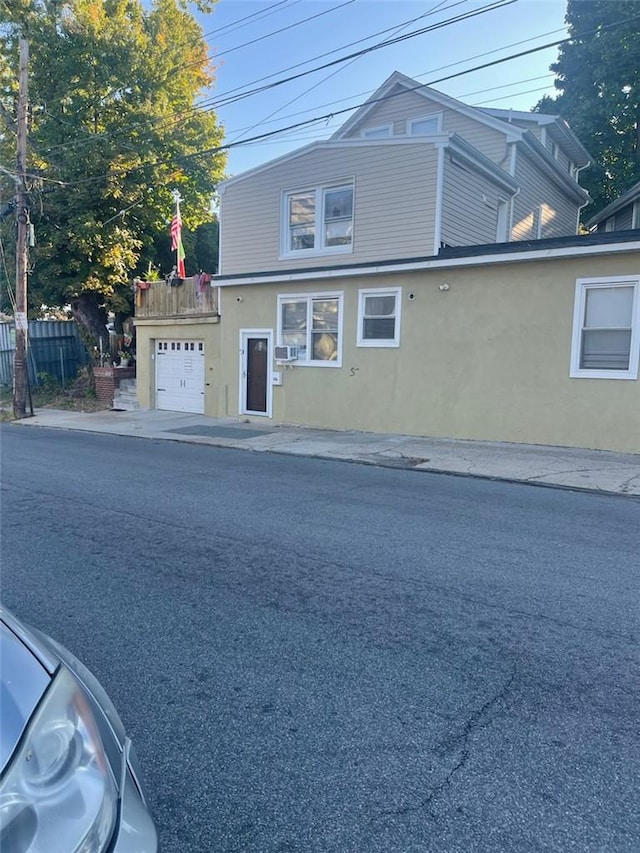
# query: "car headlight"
{"type": "Point", "coordinates": [58, 795]}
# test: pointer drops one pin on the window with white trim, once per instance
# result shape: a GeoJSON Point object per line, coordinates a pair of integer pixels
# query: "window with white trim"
{"type": "Point", "coordinates": [606, 328]}
{"type": "Point", "coordinates": [318, 220]}
{"type": "Point", "coordinates": [379, 317]}
{"type": "Point", "coordinates": [426, 125]}
{"type": "Point", "coordinates": [381, 132]}
{"type": "Point", "coordinates": [313, 323]}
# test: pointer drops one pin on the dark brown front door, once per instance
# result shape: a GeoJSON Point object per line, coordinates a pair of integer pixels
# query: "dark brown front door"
{"type": "Point", "coordinates": [257, 352]}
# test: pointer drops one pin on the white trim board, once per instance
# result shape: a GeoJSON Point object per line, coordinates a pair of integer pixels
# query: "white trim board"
{"type": "Point", "coordinates": [435, 264]}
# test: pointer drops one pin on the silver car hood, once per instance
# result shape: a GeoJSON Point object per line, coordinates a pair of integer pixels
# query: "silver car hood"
{"type": "Point", "coordinates": [24, 681]}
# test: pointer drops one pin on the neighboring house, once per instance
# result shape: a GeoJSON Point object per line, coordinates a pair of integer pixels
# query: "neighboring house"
{"type": "Point", "coordinates": [366, 283]}
{"type": "Point", "coordinates": [621, 215]}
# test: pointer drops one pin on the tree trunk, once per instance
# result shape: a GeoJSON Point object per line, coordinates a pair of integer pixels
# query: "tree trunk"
{"type": "Point", "coordinates": [91, 314]}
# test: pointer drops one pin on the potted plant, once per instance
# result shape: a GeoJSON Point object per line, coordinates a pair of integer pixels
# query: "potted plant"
{"type": "Point", "coordinates": [124, 358]}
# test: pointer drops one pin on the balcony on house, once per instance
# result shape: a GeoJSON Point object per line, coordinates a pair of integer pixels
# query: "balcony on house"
{"type": "Point", "coordinates": [156, 300]}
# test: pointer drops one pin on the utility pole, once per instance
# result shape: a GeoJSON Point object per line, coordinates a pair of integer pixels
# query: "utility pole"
{"type": "Point", "coordinates": [20, 367]}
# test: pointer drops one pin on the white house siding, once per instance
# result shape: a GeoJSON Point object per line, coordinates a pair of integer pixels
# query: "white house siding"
{"type": "Point", "coordinates": [394, 205]}
{"type": "Point", "coordinates": [469, 207]}
{"type": "Point", "coordinates": [399, 109]}
{"type": "Point", "coordinates": [540, 196]}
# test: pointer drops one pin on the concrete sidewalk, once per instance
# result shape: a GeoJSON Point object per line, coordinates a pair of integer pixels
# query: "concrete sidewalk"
{"type": "Point", "coordinates": [553, 466]}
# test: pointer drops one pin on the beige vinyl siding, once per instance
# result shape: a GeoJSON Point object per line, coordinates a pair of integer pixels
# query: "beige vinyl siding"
{"type": "Point", "coordinates": [469, 206]}
{"type": "Point", "coordinates": [395, 110]}
{"type": "Point", "coordinates": [540, 196]}
{"type": "Point", "coordinates": [400, 109]}
{"type": "Point", "coordinates": [394, 205]}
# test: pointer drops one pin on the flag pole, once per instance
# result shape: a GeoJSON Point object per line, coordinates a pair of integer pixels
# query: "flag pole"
{"type": "Point", "coordinates": [176, 236]}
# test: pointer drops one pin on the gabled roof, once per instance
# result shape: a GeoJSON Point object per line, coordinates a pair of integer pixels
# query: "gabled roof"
{"type": "Point", "coordinates": [500, 120]}
{"type": "Point", "coordinates": [631, 195]}
{"type": "Point", "coordinates": [408, 85]}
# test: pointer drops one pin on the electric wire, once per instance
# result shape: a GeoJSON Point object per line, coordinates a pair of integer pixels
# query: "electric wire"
{"type": "Point", "coordinates": [321, 82]}
{"type": "Point", "coordinates": [213, 104]}
{"type": "Point", "coordinates": [317, 119]}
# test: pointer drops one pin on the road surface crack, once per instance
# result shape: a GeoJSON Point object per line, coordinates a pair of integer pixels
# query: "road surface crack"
{"type": "Point", "coordinates": [478, 720]}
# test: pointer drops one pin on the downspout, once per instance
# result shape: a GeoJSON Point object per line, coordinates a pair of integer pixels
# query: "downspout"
{"type": "Point", "coordinates": [582, 206]}
{"type": "Point", "coordinates": [437, 230]}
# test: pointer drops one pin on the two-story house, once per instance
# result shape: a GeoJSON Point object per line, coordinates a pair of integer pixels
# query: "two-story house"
{"type": "Point", "coordinates": [418, 272]}
{"type": "Point", "coordinates": [411, 171]}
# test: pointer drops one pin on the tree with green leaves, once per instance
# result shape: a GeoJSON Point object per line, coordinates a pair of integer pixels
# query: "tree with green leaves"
{"type": "Point", "coordinates": [113, 88]}
{"type": "Point", "coordinates": [598, 77]}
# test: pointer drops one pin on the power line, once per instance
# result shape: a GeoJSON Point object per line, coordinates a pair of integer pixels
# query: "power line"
{"type": "Point", "coordinates": [331, 115]}
{"type": "Point", "coordinates": [496, 4]}
{"type": "Point", "coordinates": [324, 79]}
{"type": "Point", "coordinates": [284, 29]}
{"type": "Point", "coordinates": [261, 13]}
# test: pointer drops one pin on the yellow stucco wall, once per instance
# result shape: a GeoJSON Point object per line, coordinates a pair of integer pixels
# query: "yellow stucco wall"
{"type": "Point", "coordinates": [486, 359]}
{"type": "Point", "coordinates": [148, 332]}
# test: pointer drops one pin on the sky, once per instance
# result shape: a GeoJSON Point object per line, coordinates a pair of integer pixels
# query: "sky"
{"type": "Point", "coordinates": [249, 53]}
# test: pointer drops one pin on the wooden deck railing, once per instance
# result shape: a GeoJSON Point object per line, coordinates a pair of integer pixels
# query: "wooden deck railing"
{"type": "Point", "coordinates": [160, 300]}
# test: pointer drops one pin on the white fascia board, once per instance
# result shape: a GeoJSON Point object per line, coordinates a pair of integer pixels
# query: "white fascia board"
{"type": "Point", "coordinates": [476, 160]}
{"type": "Point", "coordinates": [436, 264]}
{"type": "Point", "coordinates": [505, 115]}
{"type": "Point", "coordinates": [331, 144]}
{"type": "Point", "coordinates": [291, 155]}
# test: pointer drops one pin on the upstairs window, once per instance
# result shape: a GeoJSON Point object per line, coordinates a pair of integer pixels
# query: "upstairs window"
{"type": "Point", "coordinates": [606, 333]}
{"type": "Point", "coordinates": [318, 220]}
{"type": "Point", "coordinates": [376, 132]}
{"type": "Point", "coordinates": [379, 317]}
{"type": "Point", "coordinates": [426, 125]}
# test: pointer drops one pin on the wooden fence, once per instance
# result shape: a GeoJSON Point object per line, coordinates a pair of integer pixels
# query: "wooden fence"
{"type": "Point", "coordinates": [190, 298]}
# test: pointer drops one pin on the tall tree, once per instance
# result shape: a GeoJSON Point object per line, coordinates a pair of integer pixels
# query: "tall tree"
{"type": "Point", "coordinates": [114, 87]}
{"type": "Point", "coordinates": [598, 77]}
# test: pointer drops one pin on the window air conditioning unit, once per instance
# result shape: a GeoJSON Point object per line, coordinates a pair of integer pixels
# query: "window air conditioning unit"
{"type": "Point", "coordinates": [286, 353]}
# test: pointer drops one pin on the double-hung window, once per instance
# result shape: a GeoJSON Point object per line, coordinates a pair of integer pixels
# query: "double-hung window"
{"type": "Point", "coordinates": [606, 328]}
{"type": "Point", "coordinates": [312, 323]}
{"type": "Point", "coordinates": [379, 317]}
{"type": "Point", "coordinates": [318, 221]}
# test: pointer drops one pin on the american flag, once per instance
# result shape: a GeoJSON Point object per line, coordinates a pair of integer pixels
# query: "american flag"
{"type": "Point", "coordinates": [176, 241]}
{"type": "Point", "coordinates": [176, 229]}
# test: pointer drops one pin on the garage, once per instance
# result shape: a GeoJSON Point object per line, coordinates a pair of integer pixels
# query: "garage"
{"type": "Point", "coordinates": [180, 376]}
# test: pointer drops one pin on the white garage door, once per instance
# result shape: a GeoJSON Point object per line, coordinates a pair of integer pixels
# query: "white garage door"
{"type": "Point", "coordinates": [180, 376]}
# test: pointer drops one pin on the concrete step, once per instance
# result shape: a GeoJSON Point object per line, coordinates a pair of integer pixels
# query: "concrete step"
{"type": "Point", "coordinates": [125, 398]}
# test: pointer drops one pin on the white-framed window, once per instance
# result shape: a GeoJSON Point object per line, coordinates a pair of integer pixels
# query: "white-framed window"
{"type": "Point", "coordinates": [425, 125]}
{"type": "Point", "coordinates": [318, 220]}
{"type": "Point", "coordinates": [381, 132]}
{"type": "Point", "coordinates": [313, 323]}
{"type": "Point", "coordinates": [379, 317]}
{"type": "Point", "coordinates": [635, 215]}
{"type": "Point", "coordinates": [606, 328]}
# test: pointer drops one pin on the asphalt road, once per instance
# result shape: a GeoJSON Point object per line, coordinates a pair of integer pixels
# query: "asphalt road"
{"type": "Point", "coordinates": [319, 656]}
